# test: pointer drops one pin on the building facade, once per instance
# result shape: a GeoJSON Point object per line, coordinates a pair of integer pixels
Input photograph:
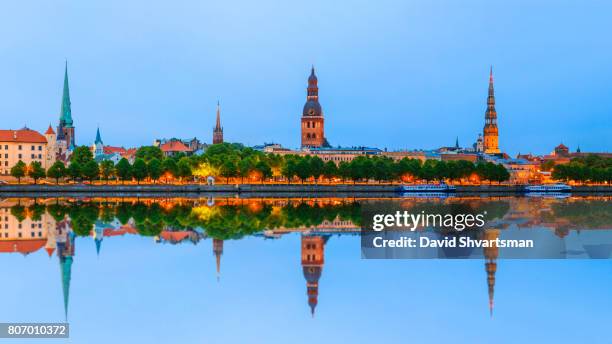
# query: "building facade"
{"type": "Point", "coordinates": [490, 131]}
{"type": "Point", "coordinates": [313, 123]}
{"type": "Point", "coordinates": [24, 144]}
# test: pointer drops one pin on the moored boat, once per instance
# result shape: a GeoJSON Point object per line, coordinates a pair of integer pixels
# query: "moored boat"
{"type": "Point", "coordinates": [426, 188]}
{"type": "Point", "coordinates": [559, 187]}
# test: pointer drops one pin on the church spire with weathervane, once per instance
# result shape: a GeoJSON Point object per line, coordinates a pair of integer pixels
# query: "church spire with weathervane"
{"type": "Point", "coordinates": [490, 131]}
{"type": "Point", "coordinates": [218, 130]}
{"type": "Point", "coordinates": [65, 129]}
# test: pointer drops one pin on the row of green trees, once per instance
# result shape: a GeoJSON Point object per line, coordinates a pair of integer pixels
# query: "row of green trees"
{"type": "Point", "coordinates": [589, 169]}
{"type": "Point", "coordinates": [83, 166]}
{"type": "Point", "coordinates": [234, 162]}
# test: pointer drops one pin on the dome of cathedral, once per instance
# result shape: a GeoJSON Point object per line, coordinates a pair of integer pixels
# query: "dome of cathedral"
{"type": "Point", "coordinates": [312, 273]}
{"type": "Point", "coordinates": [312, 108]}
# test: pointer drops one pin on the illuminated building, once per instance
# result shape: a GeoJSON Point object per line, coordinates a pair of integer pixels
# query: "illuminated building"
{"type": "Point", "coordinates": [24, 144]}
{"type": "Point", "coordinates": [313, 124]}
{"type": "Point", "coordinates": [490, 132]}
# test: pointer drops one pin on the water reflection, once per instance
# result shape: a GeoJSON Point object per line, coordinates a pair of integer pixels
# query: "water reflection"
{"type": "Point", "coordinates": [30, 225]}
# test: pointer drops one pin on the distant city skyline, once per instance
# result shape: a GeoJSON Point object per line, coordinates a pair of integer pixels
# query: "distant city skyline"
{"type": "Point", "coordinates": [395, 75]}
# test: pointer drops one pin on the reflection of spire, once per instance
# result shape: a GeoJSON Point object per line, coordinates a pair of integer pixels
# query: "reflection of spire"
{"type": "Point", "coordinates": [98, 236]}
{"type": "Point", "coordinates": [312, 265]}
{"type": "Point", "coordinates": [491, 254]}
{"type": "Point", "coordinates": [66, 252]}
{"type": "Point", "coordinates": [218, 251]}
{"type": "Point", "coordinates": [98, 245]}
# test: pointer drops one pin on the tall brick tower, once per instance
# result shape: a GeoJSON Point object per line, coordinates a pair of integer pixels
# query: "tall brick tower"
{"type": "Point", "coordinates": [490, 132]}
{"type": "Point", "coordinates": [313, 133]}
{"type": "Point", "coordinates": [218, 130]}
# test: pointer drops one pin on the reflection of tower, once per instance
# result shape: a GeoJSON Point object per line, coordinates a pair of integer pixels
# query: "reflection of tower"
{"type": "Point", "coordinates": [218, 130]}
{"type": "Point", "coordinates": [312, 264]}
{"type": "Point", "coordinates": [491, 254]}
{"type": "Point", "coordinates": [313, 133]}
{"type": "Point", "coordinates": [218, 251]}
{"type": "Point", "coordinates": [98, 236]}
{"type": "Point", "coordinates": [65, 252]}
{"type": "Point", "coordinates": [490, 132]}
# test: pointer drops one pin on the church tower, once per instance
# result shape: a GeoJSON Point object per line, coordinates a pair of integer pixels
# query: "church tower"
{"type": "Point", "coordinates": [65, 129]}
{"type": "Point", "coordinates": [313, 134]}
{"type": "Point", "coordinates": [490, 132]}
{"type": "Point", "coordinates": [98, 146]}
{"type": "Point", "coordinates": [52, 148]}
{"type": "Point", "coordinates": [312, 264]}
{"type": "Point", "coordinates": [218, 130]}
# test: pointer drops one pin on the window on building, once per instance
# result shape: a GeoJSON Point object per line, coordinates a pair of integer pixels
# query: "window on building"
{"type": "Point", "coordinates": [5, 146]}
{"type": "Point", "coordinates": [33, 148]}
{"type": "Point", "coordinates": [19, 156]}
{"type": "Point", "coordinates": [40, 156]}
{"type": "Point", "coordinates": [39, 148]}
{"type": "Point", "coordinates": [19, 234]}
{"type": "Point", "coordinates": [33, 156]}
{"type": "Point", "coordinates": [19, 147]}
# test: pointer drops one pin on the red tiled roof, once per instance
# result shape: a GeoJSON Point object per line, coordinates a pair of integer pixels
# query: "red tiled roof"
{"type": "Point", "coordinates": [130, 152]}
{"type": "Point", "coordinates": [50, 131]}
{"type": "Point", "coordinates": [22, 135]}
{"type": "Point", "coordinates": [112, 149]}
{"type": "Point", "coordinates": [174, 236]}
{"type": "Point", "coordinates": [22, 246]}
{"type": "Point", "coordinates": [174, 146]}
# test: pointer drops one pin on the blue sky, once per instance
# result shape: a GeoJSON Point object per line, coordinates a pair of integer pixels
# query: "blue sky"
{"type": "Point", "coordinates": [395, 74]}
{"type": "Point", "coordinates": [139, 291]}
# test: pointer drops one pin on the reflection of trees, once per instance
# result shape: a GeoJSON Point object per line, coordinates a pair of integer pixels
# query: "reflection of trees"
{"type": "Point", "coordinates": [36, 211]}
{"type": "Point", "coordinates": [227, 221]}
{"type": "Point", "coordinates": [83, 216]}
{"type": "Point", "coordinates": [57, 211]}
{"type": "Point", "coordinates": [19, 212]}
{"type": "Point", "coordinates": [587, 214]}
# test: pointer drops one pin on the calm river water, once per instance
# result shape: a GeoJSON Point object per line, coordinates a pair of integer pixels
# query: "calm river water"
{"type": "Point", "coordinates": [277, 270]}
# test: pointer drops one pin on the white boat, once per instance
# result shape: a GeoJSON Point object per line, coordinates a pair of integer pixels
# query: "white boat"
{"type": "Point", "coordinates": [548, 194]}
{"type": "Point", "coordinates": [424, 188]}
{"type": "Point", "coordinates": [559, 187]}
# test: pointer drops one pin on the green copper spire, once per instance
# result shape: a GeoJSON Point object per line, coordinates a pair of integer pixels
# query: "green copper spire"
{"type": "Point", "coordinates": [98, 137]}
{"type": "Point", "coordinates": [66, 112]}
